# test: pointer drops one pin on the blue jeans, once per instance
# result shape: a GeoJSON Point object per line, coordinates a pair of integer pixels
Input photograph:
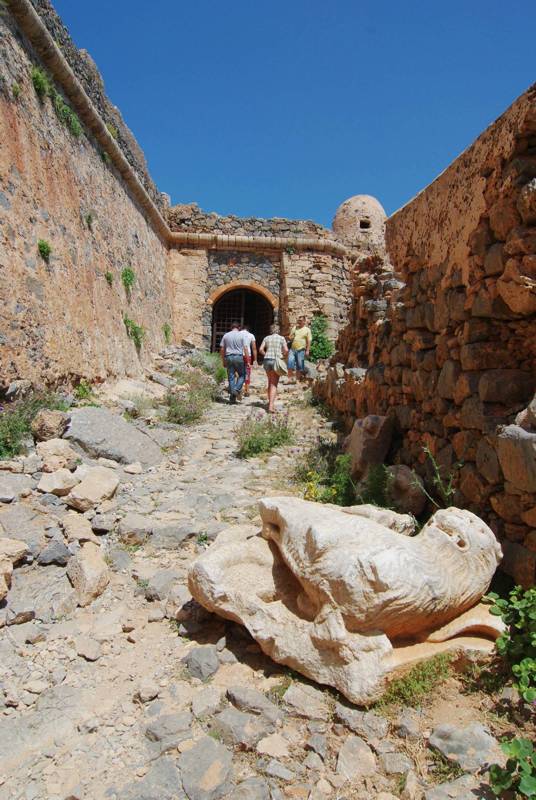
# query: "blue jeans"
{"type": "Point", "coordinates": [296, 360]}
{"type": "Point", "coordinates": [236, 372]}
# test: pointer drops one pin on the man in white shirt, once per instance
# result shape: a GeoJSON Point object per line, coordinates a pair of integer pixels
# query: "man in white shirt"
{"type": "Point", "coordinates": [251, 355]}
{"type": "Point", "coordinates": [233, 351]}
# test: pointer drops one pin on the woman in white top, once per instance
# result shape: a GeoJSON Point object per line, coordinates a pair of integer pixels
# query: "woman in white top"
{"type": "Point", "coordinates": [272, 347]}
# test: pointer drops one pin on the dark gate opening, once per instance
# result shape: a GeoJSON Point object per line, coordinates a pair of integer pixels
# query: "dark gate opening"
{"type": "Point", "coordinates": [248, 308]}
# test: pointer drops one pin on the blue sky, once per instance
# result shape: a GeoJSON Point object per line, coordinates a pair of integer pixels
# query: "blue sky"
{"type": "Point", "coordinates": [286, 108]}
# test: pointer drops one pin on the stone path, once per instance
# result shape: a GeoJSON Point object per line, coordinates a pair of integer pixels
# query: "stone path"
{"type": "Point", "coordinates": [141, 695]}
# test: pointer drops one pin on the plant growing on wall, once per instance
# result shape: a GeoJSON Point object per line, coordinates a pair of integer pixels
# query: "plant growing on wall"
{"type": "Point", "coordinates": [109, 277]}
{"type": "Point", "coordinates": [44, 249]}
{"type": "Point", "coordinates": [128, 278]}
{"type": "Point", "coordinates": [134, 332]}
{"type": "Point", "coordinates": [89, 220]}
{"type": "Point", "coordinates": [112, 130]}
{"type": "Point", "coordinates": [321, 347]}
{"type": "Point", "coordinates": [45, 88]}
{"type": "Point", "coordinates": [15, 90]}
{"type": "Point", "coordinates": [40, 82]}
{"type": "Point", "coordinates": [166, 330]}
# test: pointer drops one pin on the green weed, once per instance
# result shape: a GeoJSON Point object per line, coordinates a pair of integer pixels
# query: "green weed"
{"type": "Point", "coordinates": [166, 330]}
{"type": "Point", "coordinates": [444, 769]}
{"type": "Point", "coordinates": [373, 489]}
{"type": "Point", "coordinates": [15, 90]}
{"type": "Point", "coordinates": [321, 346]}
{"type": "Point", "coordinates": [109, 277]}
{"type": "Point", "coordinates": [83, 391]}
{"type": "Point", "coordinates": [444, 486]}
{"type": "Point", "coordinates": [16, 420]}
{"type": "Point", "coordinates": [418, 683]}
{"type": "Point", "coordinates": [41, 82]}
{"type": "Point", "coordinates": [89, 220]}
{"type": "Point", "coordinates": [112, 130]}
{"type": "Point", "coordinates": [128, 279]}
{"type": "Point", "coordinates": [44, 249]}
{"type": "Point", "coordinates": [134, 331]}
{"type": "Point", "coordinates": [211, 364]}
{"type": "Point", "coordinates": [262, 435]}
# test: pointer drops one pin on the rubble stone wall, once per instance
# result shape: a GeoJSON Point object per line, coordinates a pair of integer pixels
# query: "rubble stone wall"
{"type": "Point", "coordinates": [61, 318]}
{"type": "Point", "coordinates": [444, 339]}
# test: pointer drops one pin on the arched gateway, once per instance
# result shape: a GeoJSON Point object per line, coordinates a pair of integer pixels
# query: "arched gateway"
{"type": "Point", "coordinates": [250, 306]}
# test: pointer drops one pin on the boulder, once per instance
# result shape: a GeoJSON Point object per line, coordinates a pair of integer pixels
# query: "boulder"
{"type": "Point", "coordinates": [99, 484]}
{"type": "Point", "coordinates": [49, 424]}
{"type": "Point", "coordinates": [202, 662]}
{"type": "Point", "coordinates": [516, 449]}
{"type": "Point", "coordinates": [20, 522]}
{"type": "Point", "coordinates": [100, 432]}
{"type": "Point", "coordinates": [471, 747]}
{"type": "Point", "coordinates": [43, 594]}
{"type": "Point", "coordinates": [88, 573]}
{"type": "Point", "coordinates": [355, 759]}
{"type": "Point", "coordinates": [13, 486]}
{"type": "Point", "coordinates": [206, 770]}
{"type": "Point", "coordinates": [135, 528]}
{"type": "Point", "coordinates": [59, 482]}
{"type": "Point", "coordinates": [405, 490]}
{"type": "Point", "coordinates": [240, 729]}
{"type": "Point", "coordinates": [54, 553]}
{"type": "Point", "coordinates": [506, 386]}
{"type": "Point", "coordinates": [57, 454]}
{"type": "Point", "coordinates": [369, 442]}
{"type": "Point", "coordinates": [13, 550]}
{"type": "Point", "coordinates": [160, 783]}
{"type": "Point", "coordinates": [6, 571]}
{"type": "Point", "coordinates": [77, 528]}
{"type": "Point", "coordinates": [246, 698]}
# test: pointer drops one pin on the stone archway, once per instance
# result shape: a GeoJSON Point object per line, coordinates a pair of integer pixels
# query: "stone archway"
{"type": "Point", "coordinates": [249, 304]}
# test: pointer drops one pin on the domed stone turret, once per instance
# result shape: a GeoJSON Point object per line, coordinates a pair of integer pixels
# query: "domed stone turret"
{"type": "Point", "coordinates": [360, 220]}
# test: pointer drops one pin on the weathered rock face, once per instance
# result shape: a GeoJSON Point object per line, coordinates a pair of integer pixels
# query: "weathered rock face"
{"type": "Point", "coordinates": [329, 591]}
{"type": "Point", "coordinates": [99, 432]}
{"type": "Point", "coordinates": [443, 341]}
{"type": "Point", "coordinates": [49, 424]}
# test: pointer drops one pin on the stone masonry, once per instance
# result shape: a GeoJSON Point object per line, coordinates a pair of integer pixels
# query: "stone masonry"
{"type": "Point", "coordinates": [443, 340]}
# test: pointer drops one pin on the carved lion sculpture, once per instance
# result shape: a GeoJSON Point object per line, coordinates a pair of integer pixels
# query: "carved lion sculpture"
{"type": "Point", "coordinates": [346, 596]}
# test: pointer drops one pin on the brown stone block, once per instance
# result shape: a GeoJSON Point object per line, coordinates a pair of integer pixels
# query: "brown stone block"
{"type": "Point", "coordinates": [507, 386]}
{"type": "Point", "coordinates": [530, 541]}
{"type": "Point", "coordinates": [472, 486]}
{"type": "Point", "coordinates": [520, 563]}
{"type": "Point", "coordinates": [507, 506]}
{"type": "Point", "coordinates": [487, 462]}
{"type": "Point", "coordinates": [484, 355]}
{"type": "Point", "coordinates": [503, 216]}
{"type": "Point", "coordinates": [521, 241]}
{"type": "Point", "coordinates": [494, 260]}
{"type": "Point", "coordinates": [465, 445]}
{"type": "Point", "coordinates": [448, 378]}
{"type": "Point", "coordinates": [476, 330]}
{"type": "Point", "coordinates": [466, 386]}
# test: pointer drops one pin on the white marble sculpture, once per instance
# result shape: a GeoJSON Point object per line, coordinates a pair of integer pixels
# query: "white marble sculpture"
{"type": "Point", "coordinates": [347, 596]}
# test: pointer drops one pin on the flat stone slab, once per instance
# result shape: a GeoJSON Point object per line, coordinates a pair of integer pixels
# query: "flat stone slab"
{"type": "Point", "coordinates": [471, 747]}
{"type": "Point", "coordinates": [206, 770]}
{"type": "Point", "coordinates": [101, 433]}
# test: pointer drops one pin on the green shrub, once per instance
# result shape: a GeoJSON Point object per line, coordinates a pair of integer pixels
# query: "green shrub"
{"type": "Point", "coordinates": [89, 220]}
{"type": "Point", "coordinates": [519, 774]}
{"type": "Point", "coordinates": [109, 277]}
{"type": "Point", "coordinates": [15, 90]}
{"type": "Point", "coordinates": [83, 391]}
{"type": "Point", "coordinates": [321, 346]}
{"type": "Point", "coordinates": [373, 489]}
{"type": "Point", "coordinates": [105, 157]}
{"type": "Point", "coordinates": [517, 645]}
{"type": "Point", "coordinates": [262, 435]}
{"type": "Point", "coordinates": [327, 474]}
{"type": "Point", "coordinates": [134, 331]}
{"type": "Point", "coordinates": [444, 485]}
{"type": "Point", "coordinates": [15, 421]}
{"type": "Point", "coordinates": [112, 130]}
{"type": "Point", "coordinates": [418, 683]}
{"type": "Point", "coordinates": [143, 403]}
{"type": "Point", "coordinates": [44, 249]}
{"type": "Point", "coordinates": [128, 279]}
{"type": "Point", "coordinates": [211, 364]}
{"type": "Point", "coordinates": [41, 82]}
{"type": "Point", "coordinates": [166, 330]}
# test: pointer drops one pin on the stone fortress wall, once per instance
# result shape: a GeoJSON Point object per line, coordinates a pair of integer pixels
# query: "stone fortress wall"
{"type": "Point", "coordinates": [61, 320]}
{"type": "Point", "coordinates": [442, 337]}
